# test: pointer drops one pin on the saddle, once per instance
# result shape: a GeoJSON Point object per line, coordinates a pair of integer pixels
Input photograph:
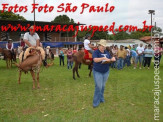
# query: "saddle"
{"type": "Point", "coordinates": [87, 56]}
{"type": "Point", "coordinates": [31, 51]}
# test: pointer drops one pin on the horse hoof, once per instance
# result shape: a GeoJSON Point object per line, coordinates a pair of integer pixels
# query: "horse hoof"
{"type": "Point", "coordinates": [74, 78]}
{"type": "Point", "coordinates": [33, 88]}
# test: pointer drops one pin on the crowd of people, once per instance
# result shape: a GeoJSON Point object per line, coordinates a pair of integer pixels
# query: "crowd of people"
{"type": "Point", "coordinates": [138, 56]}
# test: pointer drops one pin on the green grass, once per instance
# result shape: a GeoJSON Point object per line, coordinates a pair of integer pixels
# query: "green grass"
{"type": "Point", "coordinates": [128, 96]}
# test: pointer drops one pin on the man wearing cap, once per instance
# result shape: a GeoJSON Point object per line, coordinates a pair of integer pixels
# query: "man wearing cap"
{"type": "Point", "coordinates": [10, 47]}
{"type": "Point", "coordinates": [101, 60]}
{"type": "Point", "coordinates": [32, 39]}
{"type": "Point", "coordinates": [87, 44]}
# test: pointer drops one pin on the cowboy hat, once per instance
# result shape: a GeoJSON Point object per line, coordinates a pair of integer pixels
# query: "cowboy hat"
{"type": "Point", "coordinates": [48, 47]}
{"type": "Point", "coordinates": [102, 42]}
{"type": "Point", "coordinates": [9, 40]}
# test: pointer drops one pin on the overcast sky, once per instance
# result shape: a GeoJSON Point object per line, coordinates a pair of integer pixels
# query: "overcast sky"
{"type": "Point", "coordinates": [126, 12]}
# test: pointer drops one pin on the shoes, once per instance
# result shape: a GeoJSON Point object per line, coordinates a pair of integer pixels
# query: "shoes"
{"type": "Point", "coordinates": [139, 67]}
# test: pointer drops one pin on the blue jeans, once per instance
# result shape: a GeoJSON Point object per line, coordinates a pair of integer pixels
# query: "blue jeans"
{"type": "Point", "coordinates": [120, 62]}
{"type": "Point", "coordinates": [114, 64]}
{"type": "Point", "coordinates": [69, 63]}
{"type": "Point", "coordinates": [139, 59]}
{"type": "Point", "coordinates": [61, 59]}
{"type": "Point", "coordinates": [127, 61]}
{"type": "Point", "coordinates": [100, 80]}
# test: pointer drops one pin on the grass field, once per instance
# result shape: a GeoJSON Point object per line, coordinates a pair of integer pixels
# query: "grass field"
{"type": "Point", "coordinates": [128, 96]}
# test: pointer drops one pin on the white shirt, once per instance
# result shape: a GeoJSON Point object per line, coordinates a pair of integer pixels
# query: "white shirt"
{"type": "Point", "coordinates": [128, 52]}
{"type": "Point", "coordinates": [86, 46]}
{"type": "Point", "coordinates": [11, 46]}
{"type": "Point", "coordinates": [31, 38]}
{"type": "Point", "coordinates": [140, 49]}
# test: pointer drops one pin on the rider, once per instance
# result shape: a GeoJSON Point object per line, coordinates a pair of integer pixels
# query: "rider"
{"type": "Point", "coordinates": [32, 39]}
{"type": "Point", "coordinates": [87, 44]}
{"type": "Point", "coordinates": [10, 47]}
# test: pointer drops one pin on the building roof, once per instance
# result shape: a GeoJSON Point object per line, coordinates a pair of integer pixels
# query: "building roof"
{"type": "Point", "coordinates": [117, 41]}
{"type": "Point", "coordinates": [145, 38]}
{"type": "Point", "coordinates": [38, 23]}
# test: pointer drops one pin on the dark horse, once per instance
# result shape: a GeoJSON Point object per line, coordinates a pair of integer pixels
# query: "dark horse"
{"type": "Point", "coordinates": [79, 58]}
{"type": "Point", "coordinates": [8, 56]}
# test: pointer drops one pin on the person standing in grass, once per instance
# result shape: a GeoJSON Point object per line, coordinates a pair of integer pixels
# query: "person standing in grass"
{"type": "Point", "coordinates": [134, 57]}
{"type": "Point", "coordinates": [114, 51]}
{"type": "Point", "coordinates": [121, 55]}
{"type": "Point", "coordinates": [140, 51]}
{"type": "Point", "coordinates": [148, 55]}
{"type": "Point", "coordinates": [100, 71]}
{"type": "Point", "coordinates": [146, 46]}
{"type": "Point", "coordinates": [69, 58]}
{"type": "Point", "coordinates": [61, 57]}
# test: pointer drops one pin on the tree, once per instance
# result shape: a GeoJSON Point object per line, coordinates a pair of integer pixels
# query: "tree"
{"type": "Point", "coordinates": [10, 16]}
{"type": "Point", "coordinates": [63, 19]}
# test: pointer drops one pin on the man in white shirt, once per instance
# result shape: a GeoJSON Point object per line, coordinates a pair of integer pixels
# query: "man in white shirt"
{"type": "Point", "coordinates": [140, 51]}
{"type": "Point", "coordinates": [87, 44]}
{"type": "Point", "coordinates": [32, 39]}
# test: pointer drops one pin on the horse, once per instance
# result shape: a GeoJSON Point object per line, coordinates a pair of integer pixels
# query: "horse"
{"type": "Point", "coordinates": [49, 55]}
{"type": "Point", "coordinates": [32, 62]}
{"type": "Point", "coordinates": [8, 56]}
{"type": "Point", "coordinates": [20, 49]}
{"type": "Point", "coordinates": [79, 57]}
{"type": "Point", "coordinates": [83, 56]}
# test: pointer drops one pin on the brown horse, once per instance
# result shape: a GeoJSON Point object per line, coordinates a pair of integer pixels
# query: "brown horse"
{"type": "Point", "coordinates": [79, 58]}
{"type": "Point", "coordinates": [8, 56]}
{"type": "Point", "coordinates": [32, 62]}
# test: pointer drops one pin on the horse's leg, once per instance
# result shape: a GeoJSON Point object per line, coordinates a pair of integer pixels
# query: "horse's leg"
{"type": "Point", "coordinates": [33, 76]}
{"type": "Point", "coordinates": [91, 66]}
{"type": "Point", "coordinates": [38, 85]}
{"type": "Point", "coordinates": [20, 72]}
{"type": "Point", "coordinates": [77, 70]}
{"type": "Point", "coordinates": [74, 71]}
{"type": "Point", "coordinates": [10, 63]}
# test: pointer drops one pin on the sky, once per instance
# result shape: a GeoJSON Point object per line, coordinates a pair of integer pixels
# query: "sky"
{"type": "Point", "coordinates": [126, 12]}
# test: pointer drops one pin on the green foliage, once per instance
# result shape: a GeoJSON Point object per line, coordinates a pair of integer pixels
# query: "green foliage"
{"type": "Point", "coordinates": [10, 16]}
{"type": "Point", "coordinates": [63, 19]}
